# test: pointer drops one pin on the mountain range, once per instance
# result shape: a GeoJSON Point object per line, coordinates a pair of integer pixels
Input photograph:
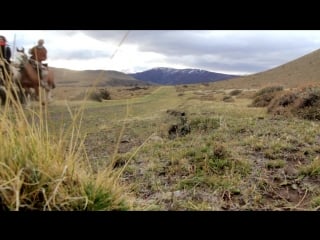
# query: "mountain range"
{"type": "Point", "coordinates": [162, 76]}
{"type": "Point", "coordinates": [171, 76]}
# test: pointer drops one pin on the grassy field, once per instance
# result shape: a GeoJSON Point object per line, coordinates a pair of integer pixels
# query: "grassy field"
{"type": "Point", "coordinates": [235, 157]}
{"type": "Point", "coordinates": [228, 145]}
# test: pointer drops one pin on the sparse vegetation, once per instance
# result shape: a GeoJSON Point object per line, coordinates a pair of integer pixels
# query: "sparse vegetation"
{"type": "Point", "coordinates": [205, 124]}
{"type": "Point", "coordinates": [276, 164]}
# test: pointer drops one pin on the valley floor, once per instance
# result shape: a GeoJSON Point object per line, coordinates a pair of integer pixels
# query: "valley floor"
{"type": "Point", "coordinates": [232, 157]}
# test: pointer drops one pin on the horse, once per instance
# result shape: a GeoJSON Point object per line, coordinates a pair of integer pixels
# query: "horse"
{"type": "Point", "coordinates": [7, 86]}
{"type": "Point", "coordinates": [27, 75]}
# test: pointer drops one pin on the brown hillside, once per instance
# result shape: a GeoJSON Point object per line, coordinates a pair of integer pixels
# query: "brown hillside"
{"type": "Point", "coordinates": [299, 72]}
{"type": "Point", "coordinates": [73, 85]}
{"type": "Point", "coordinates": [99, 78]}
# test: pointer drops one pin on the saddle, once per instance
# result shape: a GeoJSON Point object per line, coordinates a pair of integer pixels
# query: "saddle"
{"type": "Point", "coordinates": [35, 64]}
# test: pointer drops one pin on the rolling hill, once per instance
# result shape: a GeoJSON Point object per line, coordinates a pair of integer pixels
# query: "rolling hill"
{"type": "Point", "coordinates": [74, 85]}
{"type": "Point", "coordinates": [171, 76]}
{"type": "Point", "coordinates": [99, 78]}
{"type": "Point", "coordinates": [299, 72]}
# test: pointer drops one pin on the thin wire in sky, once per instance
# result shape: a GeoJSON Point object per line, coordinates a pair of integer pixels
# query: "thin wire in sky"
{"type": "Point", "coordinates": [119, 45]}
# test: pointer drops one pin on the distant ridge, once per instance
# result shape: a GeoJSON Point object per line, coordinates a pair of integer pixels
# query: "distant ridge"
{"type": "Point", "coordinates": [99, 78]}
{"type": "Point", "coordinates": [171, 76]}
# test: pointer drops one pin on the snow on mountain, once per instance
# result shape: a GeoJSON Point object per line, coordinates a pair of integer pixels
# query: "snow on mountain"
{"type": "Point", "coordinates": [171, 76]}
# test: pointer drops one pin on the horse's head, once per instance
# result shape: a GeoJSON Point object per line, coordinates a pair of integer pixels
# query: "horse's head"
{"type": "Point", "coordinates": [20, 50]}
{"type": "Point", "coordinates": [21, 57]}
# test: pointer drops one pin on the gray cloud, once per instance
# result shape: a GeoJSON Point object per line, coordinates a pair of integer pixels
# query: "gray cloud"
{"type": "Point", "coordinates": [234, 51]}
{"type": "Point", "coordinates": [204, 42]}
{"type": "Point", "coordinates": [244, 51]}
{"type": "Point", "coordinates": [106, 35]}
{"type": "Point", "coordinates": [78, 54]}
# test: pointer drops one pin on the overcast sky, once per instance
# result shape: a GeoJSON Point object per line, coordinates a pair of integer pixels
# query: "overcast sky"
{"type": "Point", "coordinates": [231, 51]}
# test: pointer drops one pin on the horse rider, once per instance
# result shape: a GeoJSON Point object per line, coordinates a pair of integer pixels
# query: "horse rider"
{"type": "Point", "coordinates": [39, 54]}
{"type": "Point", "coordinates": [5, 55]}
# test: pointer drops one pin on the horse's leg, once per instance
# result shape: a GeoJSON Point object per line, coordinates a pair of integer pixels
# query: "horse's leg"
{"type": "Point", "coordinates": [44, 95]}
{"type": "Point", "coordinates": [51, 82]}
{"type": "Point", "coordinates": [37, 93]}
{"type": "Point", "coordinates": [19, 91]}
{"type": "Point", "coordinates": [48, 94]}
{"type": "Point", "coordinates": [45, 79]}
{"type": "Point", "coordinates": [3, 95]}
{"type": "Point", "coordinates": [27, 97]}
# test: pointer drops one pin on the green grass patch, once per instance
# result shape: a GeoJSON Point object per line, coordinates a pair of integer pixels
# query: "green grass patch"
{"type": "Point", "coordinates": [311, 169]}
{"type": "Point", "coordinates": [276, 163]}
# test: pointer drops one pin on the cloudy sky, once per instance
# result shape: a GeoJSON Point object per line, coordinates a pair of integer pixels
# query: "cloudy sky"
{"type": "Point", "coordinates": [231, 51]}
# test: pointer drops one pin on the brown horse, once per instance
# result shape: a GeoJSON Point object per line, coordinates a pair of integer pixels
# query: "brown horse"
{"type": "Point", "coordinates": [28, 75]}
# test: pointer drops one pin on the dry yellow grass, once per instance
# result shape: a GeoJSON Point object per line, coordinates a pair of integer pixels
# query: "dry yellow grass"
{"type": "Point", "coordinates": [44, 171]}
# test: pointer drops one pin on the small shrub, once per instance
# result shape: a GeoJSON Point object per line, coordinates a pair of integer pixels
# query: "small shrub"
{"type": "Point", "coordinates": [228, 99]}
{"type": "Point", "coordinates": [264, 96]}
{"type": "Point", "coordinates": [282, 103]}
{"type": "Point", "coordinates": [310, 97]}
{"type": "Point", "coordinates": [308, 104]}
{"type": "Point", "coordinates": [100, 95]}
{"type": "Point", "coordinates": [303, 103]}
{"type": "Point", "coordinates": [268, 90]}
{"type": "Point", "coordinates": [235, 92]}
